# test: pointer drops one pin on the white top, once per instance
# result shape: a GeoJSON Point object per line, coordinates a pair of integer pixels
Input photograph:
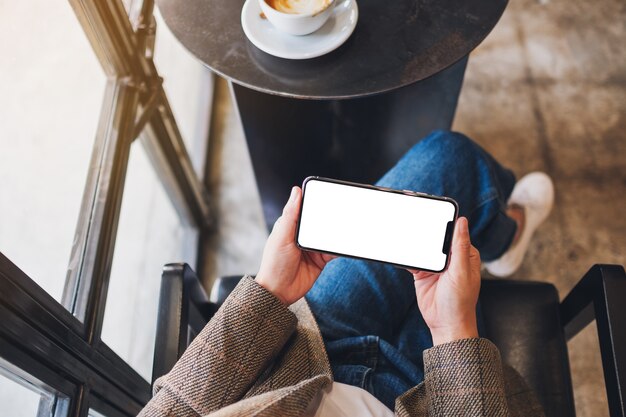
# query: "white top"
{"type": "Point", "coordinates": [343, 400]}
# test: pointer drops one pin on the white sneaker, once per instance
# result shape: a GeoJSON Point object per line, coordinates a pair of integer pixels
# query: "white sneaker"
{"type": "Point", "coordinates": [535, 193]}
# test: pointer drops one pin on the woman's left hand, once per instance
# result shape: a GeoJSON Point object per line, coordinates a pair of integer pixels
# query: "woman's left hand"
{"type": "Point", "coordinates": [286, 271]}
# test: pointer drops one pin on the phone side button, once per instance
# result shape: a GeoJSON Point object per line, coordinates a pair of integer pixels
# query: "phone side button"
{"type": "Point", "coordinates": [447, 241]}
{"type": "Point", "coordinates": [417, 193]}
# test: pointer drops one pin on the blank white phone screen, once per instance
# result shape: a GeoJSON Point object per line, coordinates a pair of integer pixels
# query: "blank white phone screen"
{"type": "Point", "coordinates": [390, 227]}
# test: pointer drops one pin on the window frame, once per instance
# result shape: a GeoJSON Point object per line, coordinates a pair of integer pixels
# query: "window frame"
{"type": "Point", "coordinates": [58, 345]}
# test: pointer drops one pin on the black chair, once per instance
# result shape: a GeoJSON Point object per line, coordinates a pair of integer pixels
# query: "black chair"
{"type": "Point", "coordinates": [184, 310]}
{"type": "Point", "coordinates": [523, 318]}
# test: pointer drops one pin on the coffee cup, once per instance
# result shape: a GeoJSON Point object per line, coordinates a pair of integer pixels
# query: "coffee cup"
{"type": "Point", "coordinates": [297, 17]}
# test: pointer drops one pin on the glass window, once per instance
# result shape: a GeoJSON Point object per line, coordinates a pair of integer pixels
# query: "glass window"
{"type": "Point", "coordinates": [132, 8]}
{"type": "Point", "coordinates": [17, 400]}
{"type": "Point", "coordinates": [52, 88]}
{"type": "Point", "coordinates": [150, 234]}
{"type": "Point", "coordinates": [20, 398]}
{"type": "Point", "coordinates": [188, 85]}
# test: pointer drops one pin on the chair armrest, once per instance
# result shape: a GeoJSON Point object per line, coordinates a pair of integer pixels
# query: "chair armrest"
{"type": "Point", "coordinates": [601, 294]}
{"type": "Point", "coordinates": [222, 287]}
{"type": "Point", "coordinates": [184, 310]}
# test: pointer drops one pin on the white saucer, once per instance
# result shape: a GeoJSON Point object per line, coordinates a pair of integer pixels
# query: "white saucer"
{"type": "Point", "coordinates": [329, 37]}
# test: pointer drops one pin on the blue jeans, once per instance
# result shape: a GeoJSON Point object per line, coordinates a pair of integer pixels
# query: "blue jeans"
{"type": "Point", "coordinates": [367, 312]}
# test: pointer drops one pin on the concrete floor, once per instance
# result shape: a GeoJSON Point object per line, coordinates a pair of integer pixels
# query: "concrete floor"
{"type": "Point", "coordinates": [545, 91]}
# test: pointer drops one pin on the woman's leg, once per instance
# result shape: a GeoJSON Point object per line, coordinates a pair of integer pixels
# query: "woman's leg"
{"type": "Point", "coordinates": [450, 164]}
{"type": "Point", "coordinates": [371, 295]}
{"type": "Point", "coordinates": [367, 311]}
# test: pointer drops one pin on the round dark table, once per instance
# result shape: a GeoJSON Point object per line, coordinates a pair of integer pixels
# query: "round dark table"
{"type": "Point", "coordinates": [414, 51]}
{"type": "Point", "coordinates": [395, 43]}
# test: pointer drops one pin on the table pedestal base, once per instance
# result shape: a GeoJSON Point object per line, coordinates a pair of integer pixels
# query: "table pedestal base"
{"type": "Point", "coordinates": [354, 140]}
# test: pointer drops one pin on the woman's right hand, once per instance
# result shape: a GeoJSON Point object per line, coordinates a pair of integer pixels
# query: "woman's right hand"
{"type": "Point", "coordinates": [448, 300]}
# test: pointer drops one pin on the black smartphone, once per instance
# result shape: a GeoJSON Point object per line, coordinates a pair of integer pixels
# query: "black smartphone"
{"type": "Point", "coordinates": [399, 227]}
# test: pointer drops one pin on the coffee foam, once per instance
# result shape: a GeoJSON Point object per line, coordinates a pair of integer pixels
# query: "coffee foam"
{"type": "Point", "coordinates": [299, 6]}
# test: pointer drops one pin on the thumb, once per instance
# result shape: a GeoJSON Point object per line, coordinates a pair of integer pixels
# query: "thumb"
{"type": "Point", "coordinates": [285, 227]}
{"type": "Point", "coordinates": [474, 259]}
{"type": "Point", "coordinates": [292, 208]}
{"type": "Point", "coordinates": [461, 245]}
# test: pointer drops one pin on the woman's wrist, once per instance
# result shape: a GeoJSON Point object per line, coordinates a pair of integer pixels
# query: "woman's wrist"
{"type": "Point", "coordinates": [271, 287]}
{"type": "Point", "coordinates": [458, 332]}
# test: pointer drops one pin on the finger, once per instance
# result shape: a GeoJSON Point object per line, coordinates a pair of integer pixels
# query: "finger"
{"type": "Point", "coordinates": [319, 259]}
{"type": "Point", "coordinates": [328, 257]}
{"type": "Point", "coordinates": [419, 275]}
{"type": "Point", "coordinates": [460, 246]}
{"type": "Point", "coordinates": [424, 280]}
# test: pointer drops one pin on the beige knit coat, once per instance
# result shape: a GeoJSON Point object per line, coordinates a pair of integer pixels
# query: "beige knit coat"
{"type": "Point", "coordinates": [257, 357]}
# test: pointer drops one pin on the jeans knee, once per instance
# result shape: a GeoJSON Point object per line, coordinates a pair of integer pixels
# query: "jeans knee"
{"type": "Point", "coordinates": [444, 143]}
{"type": "Point", "coordinates": [442, 154]}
